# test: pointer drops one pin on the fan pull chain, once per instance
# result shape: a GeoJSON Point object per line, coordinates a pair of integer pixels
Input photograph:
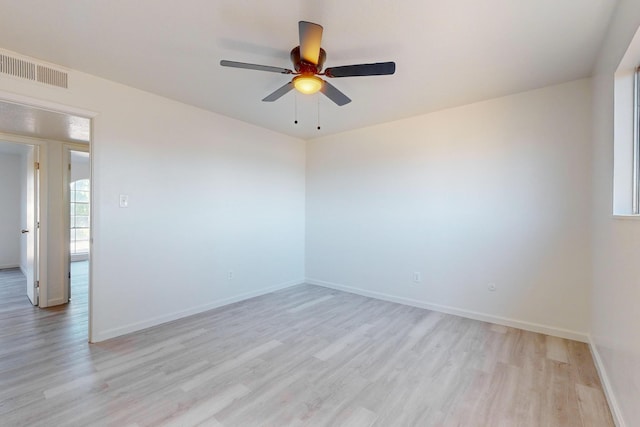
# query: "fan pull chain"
{"type": "Point", "coordinates": [318, 112]}
{"type": "Point", "coordinates": [295, 108]}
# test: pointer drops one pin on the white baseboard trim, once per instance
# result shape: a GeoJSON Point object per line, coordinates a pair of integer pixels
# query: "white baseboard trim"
{"type": "Point", "coordinates": [3, 266]}
{"type": "Point", "coordinates": [98, 336]}
{"type": "Point", "coordinates": [606, 385]}
{"type": "Point", "coordinates": [484, 317]}
{"type": "Point", "coordinates": [54, 302]}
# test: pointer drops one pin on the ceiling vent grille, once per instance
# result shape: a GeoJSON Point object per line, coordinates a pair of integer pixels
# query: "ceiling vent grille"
{"type": "Point", "coordinates": [35, 72]}
{"type": "Point", "coordinates": [53, 77]}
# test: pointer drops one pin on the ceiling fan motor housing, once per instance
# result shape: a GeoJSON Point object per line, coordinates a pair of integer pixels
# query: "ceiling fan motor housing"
{"type": "Point", "coordinates": [305, 67]}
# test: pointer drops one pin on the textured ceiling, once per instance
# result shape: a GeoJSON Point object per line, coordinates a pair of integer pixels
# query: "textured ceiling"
{"type": "Point", "coordinates": [447, 53]}
{"type": "Point", "coordinates": [34, 122]}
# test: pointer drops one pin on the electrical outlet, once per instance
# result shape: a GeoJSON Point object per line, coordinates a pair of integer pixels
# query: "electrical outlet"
{"type": "Point", "coordinates": [491, 287]}
{"type": "Point", "coordinates": [230, 275]}
{"type": "Point", "coordinates": [417, 277]}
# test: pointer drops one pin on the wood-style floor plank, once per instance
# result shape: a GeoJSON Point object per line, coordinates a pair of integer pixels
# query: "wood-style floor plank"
{"type": "Point", "coordinates": [303, 356]}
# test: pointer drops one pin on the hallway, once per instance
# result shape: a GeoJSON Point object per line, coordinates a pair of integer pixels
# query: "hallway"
{"type": "Point", "coordinates": [32, 340]}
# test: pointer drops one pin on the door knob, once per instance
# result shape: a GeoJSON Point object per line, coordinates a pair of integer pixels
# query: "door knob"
{"type": "Point", "coordinates": [24, 231]}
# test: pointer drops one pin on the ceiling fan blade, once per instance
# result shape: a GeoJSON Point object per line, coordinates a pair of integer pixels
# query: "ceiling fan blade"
{"type": "Point", "coordinates": [246, 66]}
{"type": "Point", "coordinates": [377, 69]}
{"type": "Point", "coordinates": [310, 39]}
{"type": "Point", "coordinates": [279, 92]}
{"type": "Point", "coordinates": [334, 94]}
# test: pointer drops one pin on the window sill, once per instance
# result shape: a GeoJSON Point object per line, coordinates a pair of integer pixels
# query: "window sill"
{"type": "Point", "coordinates": [626, 217]}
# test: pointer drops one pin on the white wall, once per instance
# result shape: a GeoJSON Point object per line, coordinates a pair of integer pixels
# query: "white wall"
{"type": "Point", "coordinates": [208, 194]}
{"type": "Point", "coordinates": [9, 210]}
{"type": "Point", "coordinates": [615, 317]}
{"type": "Point", "coordinates": [493, 192]}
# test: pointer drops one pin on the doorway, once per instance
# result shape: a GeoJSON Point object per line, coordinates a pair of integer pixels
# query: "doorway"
{"type": "Point", "coordinates": [20, 215]}
{"type": "Point", "coordinates": [78, 206]}
{"type": "Point", "coordinates": [49, 127]}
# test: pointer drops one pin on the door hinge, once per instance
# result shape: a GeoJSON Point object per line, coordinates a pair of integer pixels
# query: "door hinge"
{"type": "Point", "coordinates": [38, 225]}
{"type": "Point", "coordinates": [38, 284]}
{"type": "Point", "coordinates": [69, 166]}
{"type": "Point", "coordinates": [36, 165]}
{"type": "Point", "coordinates": [69, 275]}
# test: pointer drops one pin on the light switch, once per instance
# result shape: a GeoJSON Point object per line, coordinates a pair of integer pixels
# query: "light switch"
{"type": "Point", "coordinates": [124, 201]}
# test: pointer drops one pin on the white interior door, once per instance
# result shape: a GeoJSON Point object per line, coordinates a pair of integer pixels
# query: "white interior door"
{"type": "Point", "coordinates": [30, 233]}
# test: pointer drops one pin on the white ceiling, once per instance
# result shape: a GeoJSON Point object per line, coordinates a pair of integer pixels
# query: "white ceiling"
{"type": "Point", "coordinates": [447, 53]}
{"type": "Point", "coordinates": [22, 120]}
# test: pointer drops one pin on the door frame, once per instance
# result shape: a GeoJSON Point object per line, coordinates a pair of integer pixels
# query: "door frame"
{"type": "Point", "coordinates": [43, 104]}
{"type": "Point", "coordinates": [67, 148]}
{"type": "Point", "coordinates": [41, 206]}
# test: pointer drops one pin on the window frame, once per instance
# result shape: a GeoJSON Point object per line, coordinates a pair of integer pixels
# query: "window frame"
{"type": "Point", "coordinates": [636, 142]}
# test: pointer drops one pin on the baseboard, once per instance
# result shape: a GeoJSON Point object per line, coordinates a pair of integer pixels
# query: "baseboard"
{"type": "Point", "coordinates": [514, 323]}
{"type": "Point", "coordinates": [98, 336]}
{"type": "Point", "coordinates": [54, 302]}
{"type": "Point", "coordinates": [606, 385]}
{"type": "Point", "coordinates": [3, 266]}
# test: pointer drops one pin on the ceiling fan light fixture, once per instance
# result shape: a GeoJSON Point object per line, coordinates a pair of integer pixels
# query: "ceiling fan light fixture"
{"type": "Point", "coordinates": [308, 62]}
{"type": "Point", "coordinates": [307, 84]}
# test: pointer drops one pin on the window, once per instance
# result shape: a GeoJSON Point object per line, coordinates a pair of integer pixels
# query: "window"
{"type": "Point", "coordinates": [636, 143]}
{"type": "Point", "coordinates": [626, 129]}
{"type": "Point", "coordinates": [79, 197]}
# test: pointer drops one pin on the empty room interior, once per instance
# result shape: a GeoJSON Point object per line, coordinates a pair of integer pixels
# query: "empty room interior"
{"type": "Point", "coordinates": [305, 213]}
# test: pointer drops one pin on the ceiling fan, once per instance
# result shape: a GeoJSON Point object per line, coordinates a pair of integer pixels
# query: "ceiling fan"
{"type": "Point", "coordinates": [308, 59]}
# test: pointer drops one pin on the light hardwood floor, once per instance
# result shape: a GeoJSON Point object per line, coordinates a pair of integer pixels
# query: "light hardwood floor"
{"type": "Point", "coordinates": [304, 356]}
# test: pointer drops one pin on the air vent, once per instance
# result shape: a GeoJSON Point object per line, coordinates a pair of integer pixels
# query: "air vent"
{"type": "Point", "coordinates": [52, 77]}
{"type": "Point", "coordinates": [17, 67]}
{"type": "Point", "coordinates": [35, 72]}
